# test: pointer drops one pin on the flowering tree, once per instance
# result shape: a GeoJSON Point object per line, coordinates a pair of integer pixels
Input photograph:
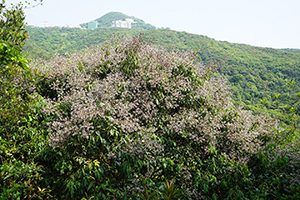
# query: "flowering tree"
{"type": "Point", "coordinates": [153, 113]}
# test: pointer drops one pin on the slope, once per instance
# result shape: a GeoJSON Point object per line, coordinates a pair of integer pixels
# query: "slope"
{"type": "Point", "coordinates": [255, 73]}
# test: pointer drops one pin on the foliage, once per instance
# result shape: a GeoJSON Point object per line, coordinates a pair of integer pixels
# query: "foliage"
{"type": "Point", "coordinates": [254, 72]}
{"type": "Point", "coordinates": [122, 120]}
{"type": "Point", "coordinates": [20, 180]}
{"type": "Point", "coordinates": [166, 191]}
{"type": "Point", "coordinates": [290, 106]}
{"type": "Point", "coordinates": [13, 95]}
{"type": "Point", "coordinates": [129, 111]}
{"type": "Point", "coordinates": [292, 50]}
{"type": "Point", "coordinates": [19, 141]}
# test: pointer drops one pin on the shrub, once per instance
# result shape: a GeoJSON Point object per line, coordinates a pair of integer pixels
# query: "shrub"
{"type": "Point", "coordinates": [20, 136]}
{"type": "Point", "coordinates": [134, 111]}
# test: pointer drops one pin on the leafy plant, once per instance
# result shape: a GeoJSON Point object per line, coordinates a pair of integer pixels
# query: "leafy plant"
{"type": "Point", "coordinates": [21, 138]}
{"type": "Point", "coordinates": [142, 113]}
{"type": "Point", "coordinates": [166, 191]}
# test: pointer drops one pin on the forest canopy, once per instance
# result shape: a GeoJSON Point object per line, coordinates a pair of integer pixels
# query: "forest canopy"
{"type": "Point", "coordinates": [255, 73]}
{"type": "Point", "coordinates": [132, 120]}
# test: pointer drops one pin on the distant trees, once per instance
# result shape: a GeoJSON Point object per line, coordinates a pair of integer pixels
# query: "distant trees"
{"type": "Point", "coordinates": [243, 65]}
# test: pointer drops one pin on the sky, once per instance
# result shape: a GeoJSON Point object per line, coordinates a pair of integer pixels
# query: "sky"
{"type": "Point", "coordinates": [264, 23]}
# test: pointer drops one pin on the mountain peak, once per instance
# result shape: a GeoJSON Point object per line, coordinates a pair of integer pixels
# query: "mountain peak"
{"type": "Point", "coordinates": [118, 19]}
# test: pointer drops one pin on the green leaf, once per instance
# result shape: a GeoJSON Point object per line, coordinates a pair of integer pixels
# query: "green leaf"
{"type": "Point", "coordinates": [91, 185]}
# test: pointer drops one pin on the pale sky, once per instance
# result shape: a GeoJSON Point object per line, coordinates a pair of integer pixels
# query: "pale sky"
{"type": "Point", "coordinates": [266, 23]}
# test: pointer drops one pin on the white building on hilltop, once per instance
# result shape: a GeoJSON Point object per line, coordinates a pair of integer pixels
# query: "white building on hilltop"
{"type": "Point", "coordinates": [123, 24]}
{"type": "Point", "coordinates": [72, 26]}
{"type": "Point", "coordinates": [45, 24]}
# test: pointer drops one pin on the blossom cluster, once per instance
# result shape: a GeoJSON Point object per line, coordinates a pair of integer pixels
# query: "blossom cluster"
{"type": "Point", "coordinates": [146, 94]}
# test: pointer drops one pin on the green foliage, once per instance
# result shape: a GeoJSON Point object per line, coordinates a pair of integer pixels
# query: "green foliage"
{"type": "Point", "coordinates": [121, 121]}
{"type": "Point", "coordinates": [166, 191]}
{"type": "Point", "coordinates": [21, 181]}
{"type": "Point", "coordinates": [288, 102]}
{"type": "Point", "coordinates": [79, 171]}
{"type": "Point", "coordinates": [255, 72]}
{"type": "Point", "coordinates": [13, 98]}
{"type": "Point", "coordinates": [169, 190]}
{"type": "Point", "coordinates": [20, 136]}
{"type": "Point", "coordinates": [12, 36]}
{"type": "Point", "coordinates": [292, 50]}
{"type": "Point", "coordinates": [143, 120]}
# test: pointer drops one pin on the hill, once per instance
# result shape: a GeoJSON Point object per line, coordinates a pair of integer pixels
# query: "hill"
{"type": "Point", "coordinates": [255, 73]}
{"type": "Point", "coordinates": [106, 21]}
{"type": "Point", "coordinates": [292, 50]}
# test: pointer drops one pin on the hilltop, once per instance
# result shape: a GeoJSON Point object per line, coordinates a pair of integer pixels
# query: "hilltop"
{"type": "Point", "coordinates": [106, 21]}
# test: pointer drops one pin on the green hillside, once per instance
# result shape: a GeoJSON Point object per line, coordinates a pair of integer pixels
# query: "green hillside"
{"type": "Point", "coordinates": [106, 21]}
{"type": "Point", "coordinates": [292, 50]}
{"type": "Point", "coordinates": [255, 73]}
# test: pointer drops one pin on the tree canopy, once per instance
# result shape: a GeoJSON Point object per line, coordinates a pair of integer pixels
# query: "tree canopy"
{"type": "Point", "coordinates": [132, 120]}
{"type": "Point", "coordinates": [255, 73]}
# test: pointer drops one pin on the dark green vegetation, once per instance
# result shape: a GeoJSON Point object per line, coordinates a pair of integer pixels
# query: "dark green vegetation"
{"type": "Point", "coordinates": [21, 138]}
{"type": "Point", "coordinates": [130, 120]}
{"type": "Point", "coordinates": [292, 50]}
{"type": "Point", "coordinates": [106, 21]}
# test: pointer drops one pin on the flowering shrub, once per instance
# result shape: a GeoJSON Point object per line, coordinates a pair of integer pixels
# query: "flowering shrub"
{"type": "Point", "coordinates": [141, 90]}
{"type": "Point", "coordinates": [148, 113]}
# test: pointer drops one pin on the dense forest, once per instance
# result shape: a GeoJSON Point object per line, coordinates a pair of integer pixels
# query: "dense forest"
{"type": "Point", "coordinates": [136, 118]}
{"type": "Point", "coordinates": [255, 73]}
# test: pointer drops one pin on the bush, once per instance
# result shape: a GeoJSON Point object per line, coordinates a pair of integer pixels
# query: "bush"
{"type": "Point", "coordinates": [20, 135]}
{"type": "Point", "coordinates": [129, 111]}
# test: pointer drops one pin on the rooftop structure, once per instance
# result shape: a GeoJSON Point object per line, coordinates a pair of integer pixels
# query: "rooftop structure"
{"type": "Point", "coordinates": [72, 26]}
{"type": "Point", "coordinates": [45, 24]}
{"type": "Point", "coordinates": [123, 24]}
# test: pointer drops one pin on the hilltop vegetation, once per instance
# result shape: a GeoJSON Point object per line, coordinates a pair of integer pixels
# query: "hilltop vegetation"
{"type": "Point", "coordinates": [255, 73]}
{"type": "Point", "coordinates": [292, 50]}
{"type": "Point", "coordinates": [106, 21]}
